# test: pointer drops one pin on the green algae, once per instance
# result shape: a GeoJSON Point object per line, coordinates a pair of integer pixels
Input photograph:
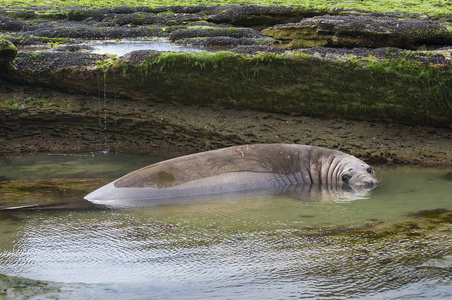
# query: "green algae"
{"type": "Point", "coordinates": [8, 52]}
{"type": "Point", "coordinates": [431, 8]}
{"type": "Point", "coordinates": [402, 90]}
{"type": "Point", "coordinates": [396, 89]}
{"type": "Point", "coordinates": [37, 40]}
{"type": "Point", "coordinates": [26, 103]}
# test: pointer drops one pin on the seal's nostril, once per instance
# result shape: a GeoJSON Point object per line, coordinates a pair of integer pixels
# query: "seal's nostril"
{"type": "Point", "coordinates": [370, 184]}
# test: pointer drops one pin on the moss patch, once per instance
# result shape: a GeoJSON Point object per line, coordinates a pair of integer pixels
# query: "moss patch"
{"type": "Point", "coordinates": [429, 7]}
{"type": "Point", "coordinates": [401, 90]}
{"type": "Point", "coordinates": [362, 31]}
{"type": "Point", "coordinates": [363, 88]}
{"type": "Point", "coordinates": [7, 54]}
{"type": "Point", "coordinates": [25, 103]}
{"type": "Point", "coordinates": [37, 40]}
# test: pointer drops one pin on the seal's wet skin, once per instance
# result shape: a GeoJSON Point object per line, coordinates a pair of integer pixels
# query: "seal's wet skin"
{"type": "Point", "coordinates": [240, 168]}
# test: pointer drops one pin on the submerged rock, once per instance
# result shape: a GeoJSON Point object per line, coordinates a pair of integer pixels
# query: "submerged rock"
{"type": "Point", "coordinates": [52, 192]}
{"type": "Point", "coordinates": [24, 288]}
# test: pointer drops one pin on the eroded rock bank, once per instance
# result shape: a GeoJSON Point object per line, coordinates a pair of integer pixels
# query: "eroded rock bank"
{"type": "Point", "coordinates": [41, 119]}
{"type": "Point", "coordinates": [408, 88]}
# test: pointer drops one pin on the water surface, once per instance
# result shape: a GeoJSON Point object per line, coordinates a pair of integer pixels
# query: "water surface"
{"type": "Point", "coordinates": [265, 246]}
{"type": "Point", "coordinates": [123, 47]}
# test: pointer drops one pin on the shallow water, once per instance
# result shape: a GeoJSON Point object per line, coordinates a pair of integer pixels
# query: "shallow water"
{"type": "Point", "coordinates": [267, 246]}
{"type": "Point", "coordinates": [123, 47]}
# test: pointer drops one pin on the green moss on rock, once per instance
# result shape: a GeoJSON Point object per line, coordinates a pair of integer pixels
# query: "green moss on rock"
{"type": "Point", "coordinates": [362, 31]}
{"type": "Point", "coordinates": [401, 90]}
{"type": "Point", "coordinates": [7, 54]}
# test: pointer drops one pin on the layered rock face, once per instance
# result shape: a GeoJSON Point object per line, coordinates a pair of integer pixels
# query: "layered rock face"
{"type": "Point", "coordinates": [362, 31]}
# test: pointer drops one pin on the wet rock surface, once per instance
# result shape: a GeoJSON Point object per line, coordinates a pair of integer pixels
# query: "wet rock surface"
{"type": "Point", "coordinates": [80, 123]}
{"type": "Point", "coordinates": [7, 54]}
{"type": "Point", "coordinates": [57, 60]}
{"type": "Point", "coordinates": [407, 91]}
{"type": "Point", "coordinates": [437, 57]}
{"type": "Point", "coordinates": [363, 31]}
{"type": "Point", "coordinates": [251, 49]}
{"type": "Point", "coordinates": [132, 22]}
{"type": "Point", "coordinates": [205, 34]}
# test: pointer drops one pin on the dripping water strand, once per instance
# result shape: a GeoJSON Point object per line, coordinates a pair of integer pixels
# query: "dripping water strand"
{"type": "Point", "coordinates": [98, 100]}
{"type": "Point", "coordinates": [102, 113]}
{"type": "Point", "coordinates": [105, 112]}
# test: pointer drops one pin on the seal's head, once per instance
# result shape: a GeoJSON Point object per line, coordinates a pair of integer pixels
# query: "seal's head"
{"type": "Point", "coordinates": [357, 174]}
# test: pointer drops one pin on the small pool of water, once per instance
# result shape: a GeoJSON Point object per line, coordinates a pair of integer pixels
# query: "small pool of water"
{"type": "Point", "coordinates": [123, 47]}
{"type": "Point", "coordinates": [257, 246]}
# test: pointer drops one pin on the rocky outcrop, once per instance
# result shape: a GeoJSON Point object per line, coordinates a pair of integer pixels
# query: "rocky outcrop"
{"type": "Point", "coordinates": [262, 16]}
{"type": "Point", "coordinates": [364, 85]}
{"type": "Point", "coordinates": [209, 34]}
{"type": "Point", "coordinates": [362, 31]}
{"type": "Point", "coordinates": [7, 54]}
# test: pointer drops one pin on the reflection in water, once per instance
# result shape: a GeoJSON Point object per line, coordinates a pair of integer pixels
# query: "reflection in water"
{"type": "Point", "coordinates": [302, 192]}
{"type": "Point", "coordinates": [207, 252]}
{"type": "Point", "coordinates": [301, 245]}
{"type": "Point", "coordinates": [122, 48]}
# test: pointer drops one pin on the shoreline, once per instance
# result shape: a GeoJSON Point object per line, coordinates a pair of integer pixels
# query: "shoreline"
{"type": "Point", "coordinates": [75, 123]}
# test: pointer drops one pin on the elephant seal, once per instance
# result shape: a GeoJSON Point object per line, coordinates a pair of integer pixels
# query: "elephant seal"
{"type": "Point", "coordinates": [239, 168]}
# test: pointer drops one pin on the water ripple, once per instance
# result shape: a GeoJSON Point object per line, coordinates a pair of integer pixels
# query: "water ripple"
{"type": "Point", "coordinates": [271, 248]}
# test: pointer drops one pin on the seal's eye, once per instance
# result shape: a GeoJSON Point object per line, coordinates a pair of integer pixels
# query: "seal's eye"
{"type": "Point", "coordinates": [369, 170]}
{"type": "Point", "coordinates": [346, 178]}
